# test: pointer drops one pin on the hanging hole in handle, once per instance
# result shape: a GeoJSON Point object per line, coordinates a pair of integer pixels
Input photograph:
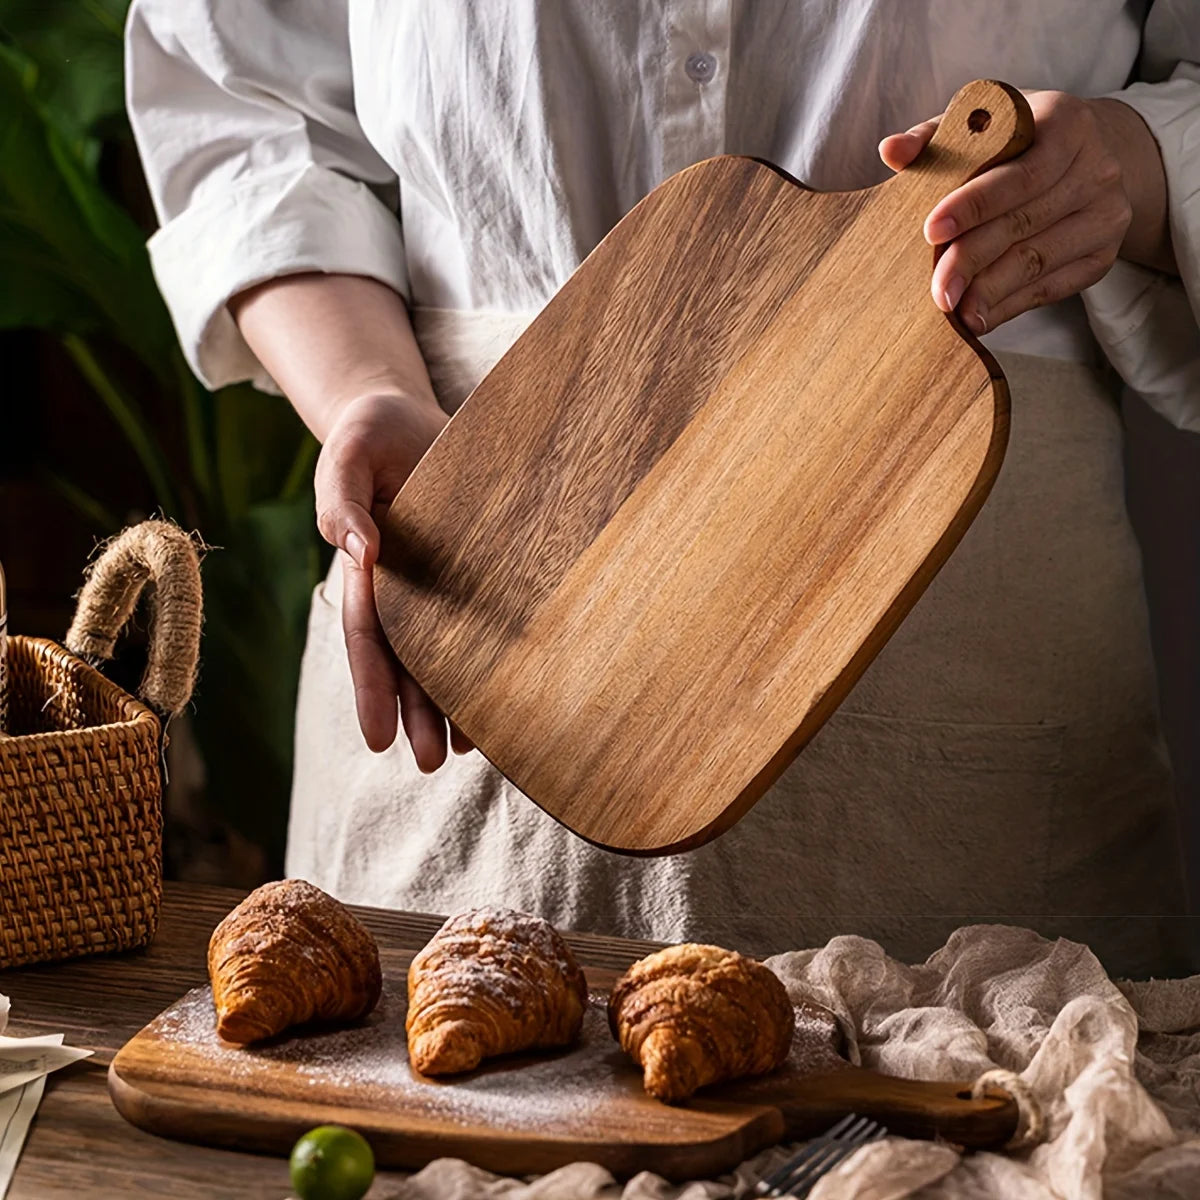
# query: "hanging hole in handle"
{"type": "Point", "coordinates": [979, 120]}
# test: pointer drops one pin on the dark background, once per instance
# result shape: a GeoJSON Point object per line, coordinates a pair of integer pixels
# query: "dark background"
{"type": "Point", "coordinates": [103, 424]}
{"type": "Point", "coordinates": [1163, 494]}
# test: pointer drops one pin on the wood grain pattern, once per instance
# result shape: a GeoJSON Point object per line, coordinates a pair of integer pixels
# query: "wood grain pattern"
{"type": "Point", "coordinates": [659, 542]}
{"type": "Point", "coordinates": [519, 1115]}
{"type": "Point", "coordinates": [79, 1145]}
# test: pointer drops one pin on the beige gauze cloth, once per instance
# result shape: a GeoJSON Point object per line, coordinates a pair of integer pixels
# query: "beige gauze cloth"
{"type": "Point", "coordinates": [1115, 1069]}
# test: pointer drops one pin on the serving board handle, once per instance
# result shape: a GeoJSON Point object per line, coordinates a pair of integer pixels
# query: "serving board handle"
{"type": "Point", "coordinates": [910, 1107]}
{"type": "Point", "coordinates": [985, 123]}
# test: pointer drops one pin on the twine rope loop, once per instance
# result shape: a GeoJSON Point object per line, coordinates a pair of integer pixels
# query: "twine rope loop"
{"type": "Point", "coordinates": [1031, 1123]}
{"type": "Point", "coordinates": [160, 555]}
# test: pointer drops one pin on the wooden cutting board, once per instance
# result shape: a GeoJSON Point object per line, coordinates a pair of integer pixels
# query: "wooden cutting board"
{"type": "Point", "coordinates": [521, 1115]}
{"type": "Point", "coordinates": [663, 537]}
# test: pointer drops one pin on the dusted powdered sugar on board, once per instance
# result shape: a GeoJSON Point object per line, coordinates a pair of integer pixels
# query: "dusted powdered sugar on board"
{"type": "Point", "coordinates": [523, 1114]}
{"type": "Point", "coordinates": [366, 1066]}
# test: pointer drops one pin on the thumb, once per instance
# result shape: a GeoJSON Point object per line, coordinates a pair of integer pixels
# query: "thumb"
{"type": "Point", "coordinates": [345, 485]}
{"type": "Point", "coordinates": [899, 149]}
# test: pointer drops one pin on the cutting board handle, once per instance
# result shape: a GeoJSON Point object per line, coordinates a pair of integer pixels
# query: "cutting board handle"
{"type": "Point", "coordinates": [986, 123]}
{"type": "Point", "coordinates": [910, 1107]}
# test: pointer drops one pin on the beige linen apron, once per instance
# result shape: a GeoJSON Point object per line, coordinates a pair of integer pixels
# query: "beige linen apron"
{"type": "Point", "coordinates": [1001, 758]}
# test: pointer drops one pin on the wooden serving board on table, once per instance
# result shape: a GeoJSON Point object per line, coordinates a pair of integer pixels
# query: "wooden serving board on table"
{"type": "Point", "coordinates": [521, 1115]}
{"type": "Point", "coordinates": [659, 542]}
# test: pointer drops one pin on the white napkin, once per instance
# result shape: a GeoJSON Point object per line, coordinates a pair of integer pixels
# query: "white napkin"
{"type": "Point", "coordinates": [24, 1065]}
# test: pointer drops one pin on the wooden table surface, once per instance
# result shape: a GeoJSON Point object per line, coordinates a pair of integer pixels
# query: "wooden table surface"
{"type": "Point", "coordinates": [78, 1145]}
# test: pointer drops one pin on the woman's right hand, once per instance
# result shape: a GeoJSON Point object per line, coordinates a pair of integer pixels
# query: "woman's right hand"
{"type": "Point", "coordinates": [369, 452]}
{"type": "Point", "coordinates": [342, 349]}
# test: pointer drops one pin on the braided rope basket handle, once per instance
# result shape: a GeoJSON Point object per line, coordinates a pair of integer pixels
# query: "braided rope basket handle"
{"type": "Point", "coordinates": [156, 553]}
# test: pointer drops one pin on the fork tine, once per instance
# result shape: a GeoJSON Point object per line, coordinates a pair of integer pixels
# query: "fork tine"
{"type": "Point", "coordinates": [801, 1172]}
{"type": "Point", "coordinates": [772, 1182]}
{"type": "Point", "coordinates": [870, 1132]}
{"type": "Point", "coordinates": [782, 1179]}
{"type": "Point", "coordinates": [802, 1186]}
{"type": "Point", "coordinates": [814, 1166]}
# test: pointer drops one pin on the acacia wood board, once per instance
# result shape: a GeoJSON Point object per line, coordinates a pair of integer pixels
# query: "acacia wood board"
{"type": "Point", "coordinates": [524, 1114]}
{"type": "Point", "coordinates": [659, 542]}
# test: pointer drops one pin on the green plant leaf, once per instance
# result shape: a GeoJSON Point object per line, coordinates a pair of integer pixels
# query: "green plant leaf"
{"type": "Point", "coordinates": [259, 587]}
{"type": "Point", "coordinates": [98, 515]}
{"type": "Point", "coordinates": [37, 292]}
{"type": "Point", "coordinates": [132, 422]}
{"type": "Point", "coordinates": [73, 260]}
{"type": "Point", "coordinates": [52, 205]}
{"type": "Point", "coordinates": [197, 407]}
{"type": "Point", "coordinates": [76, 46]}
{"type": "Point", "coordinates": [300, 473]}
{"type": "Point", "coordinates": [258, 437]}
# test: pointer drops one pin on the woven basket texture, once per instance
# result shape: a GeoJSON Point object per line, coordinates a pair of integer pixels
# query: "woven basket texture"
{"type": "Point", "coordinates": [80, 811]}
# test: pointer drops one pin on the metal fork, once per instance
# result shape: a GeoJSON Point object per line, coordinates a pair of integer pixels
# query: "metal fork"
{"type": "Point", "coordinates": [799, 1175]}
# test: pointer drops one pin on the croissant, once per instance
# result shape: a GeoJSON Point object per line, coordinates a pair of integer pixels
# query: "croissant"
{"type": "Point", "coordinates": [287, 955]}
{"type": "Point", "coordinates": [491, 981]}
{"type": "Point", "coordinates": [693, 1015]}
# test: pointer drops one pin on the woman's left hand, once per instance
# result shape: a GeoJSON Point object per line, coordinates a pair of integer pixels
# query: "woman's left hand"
{"type": "Point", "coordinates": [1051, 222]}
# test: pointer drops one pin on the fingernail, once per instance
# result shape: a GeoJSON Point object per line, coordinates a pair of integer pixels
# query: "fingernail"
{"type": "Point", "coordinates": [976, 322]}
{"type": "Point", "coordinates": [941, 230]}
{"type": "Point", "coordinates": [356, 548]}
{"type": "Point", "coordinates": [953, 291]}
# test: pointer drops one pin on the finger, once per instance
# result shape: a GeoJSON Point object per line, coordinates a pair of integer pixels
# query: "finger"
{"type": "Point", "coordinates": [1051, 288]}
{"type": "Point", "coordinates": [998, 190]}
{"type": "Point", "coordinates": [459, 742]}
{"type": "Point", "coordinates": [373, 666]}
{"type": "Point", "coordinates": [423, 724]}
{"type": "Point", "coordinates": [345, 484]}
{"type": "Point", "coordinates": [899, 149]}
{"type": "Point", "coordinates": [971, 252]}
{"type": "Point", "coordinates": [1077, 236]}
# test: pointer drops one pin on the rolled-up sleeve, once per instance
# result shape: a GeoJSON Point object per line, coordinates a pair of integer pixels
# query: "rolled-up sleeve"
{"type": "Point", "coordinates": [1147, 322]}
{"type": "Point", "coordinates": [244, 117]}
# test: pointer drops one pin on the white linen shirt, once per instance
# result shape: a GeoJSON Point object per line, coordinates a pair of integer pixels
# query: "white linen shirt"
{"type": "Point", "coordinates": [470, 153]}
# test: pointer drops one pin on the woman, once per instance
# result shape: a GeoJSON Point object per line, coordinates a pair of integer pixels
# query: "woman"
{"type": "Point", "coordinates": [364, 203]}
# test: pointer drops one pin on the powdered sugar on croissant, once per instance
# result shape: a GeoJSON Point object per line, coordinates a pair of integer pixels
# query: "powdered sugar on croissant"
{"type": "Point", "coordinates": [692, 1015]}
{"type": "Point", "coordinates": [491, 981]}
{"type": "Point", "coordinates": [290, 954]}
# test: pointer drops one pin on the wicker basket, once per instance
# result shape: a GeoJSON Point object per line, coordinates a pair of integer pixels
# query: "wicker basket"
{"type": "Point", "coordinates": [81, 789]}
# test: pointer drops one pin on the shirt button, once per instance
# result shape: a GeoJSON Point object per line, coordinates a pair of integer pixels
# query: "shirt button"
{"type": "Point", "coordinates": [700, 67]}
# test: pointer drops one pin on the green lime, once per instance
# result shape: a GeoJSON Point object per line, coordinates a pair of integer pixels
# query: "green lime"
{"type": "Point", "coordinates": [332, 1162]}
